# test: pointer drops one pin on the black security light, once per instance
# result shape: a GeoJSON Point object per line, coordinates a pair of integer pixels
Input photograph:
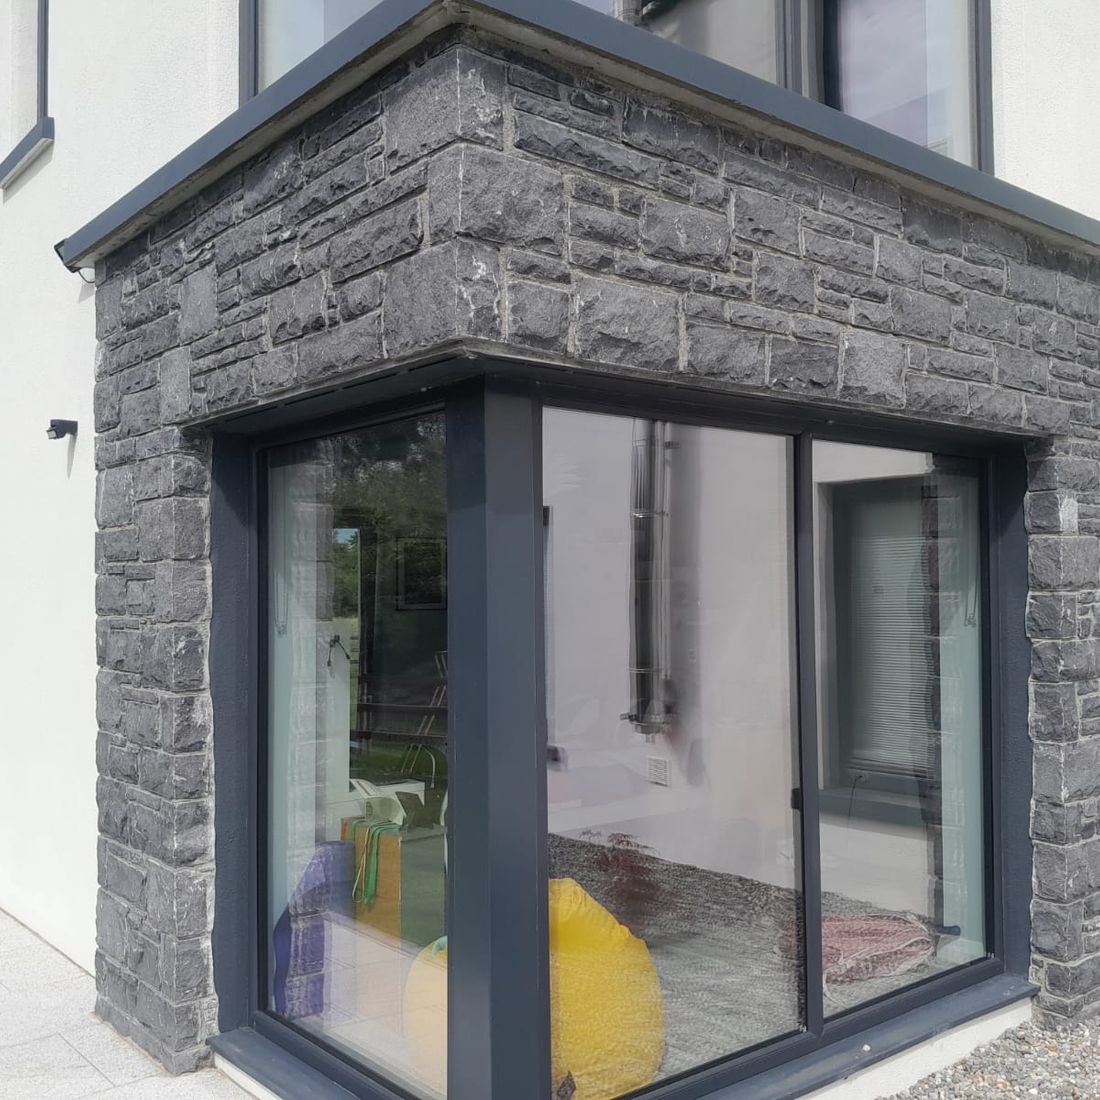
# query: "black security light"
{"type": "Point", "coordinates": [58, 429]}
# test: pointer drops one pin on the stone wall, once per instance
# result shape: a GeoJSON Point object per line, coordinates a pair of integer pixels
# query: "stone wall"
{"type": "Point", "coordinates": [475, 198]}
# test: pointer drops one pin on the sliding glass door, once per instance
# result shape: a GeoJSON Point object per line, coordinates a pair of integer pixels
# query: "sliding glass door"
{"type": "Point", "coordinates": [684, 916]}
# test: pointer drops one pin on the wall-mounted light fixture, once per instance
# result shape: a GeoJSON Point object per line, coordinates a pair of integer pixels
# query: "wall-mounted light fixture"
{"type": "Point", "coordinates": [58, 429]}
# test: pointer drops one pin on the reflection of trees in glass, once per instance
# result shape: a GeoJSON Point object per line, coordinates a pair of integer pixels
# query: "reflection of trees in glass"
{"type": "Point", "coordinates": [345, 556]}
{"type": "Point", "coordinates": [391, 478]}
{"type": "Point", "coordinates": [389, 547]}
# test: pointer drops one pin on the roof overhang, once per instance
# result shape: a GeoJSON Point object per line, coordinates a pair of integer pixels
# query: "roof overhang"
{"type": "Point", "coordinates": [571, 32]}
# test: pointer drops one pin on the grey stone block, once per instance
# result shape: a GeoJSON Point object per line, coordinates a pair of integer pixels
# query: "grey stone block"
{"type": "Point", "coordinates": [496, 197]}
{"type": "Point", "coordinates": [1051, 513]}
{"type": "Point", "coordinates": [455, 95]}
{"type": "Point", "coordinates": [626, 325]}
{"type": "Point", "coordinates": [872, 368]}
{"type": "Point", "coordinates": [1054, 335]}
{"type": "Point", "coordinates": [1022, 369]}
{"type": "Point", "coordinates": [538, 315]}
{"type": "Point", "coordinates": [352, 346]}
{"type": "Point", "coordinates": [441, 293]}
{"type": "Point", "coordinates": [932, 228]}
{"type": "Point", "coordinates": [671, 134]}
{"type": "Point", "coordinates": [766, 220]}
{"type": "Point", "coordinates": [898, 261]}
{"type": "Point", "coordinates": [726, 352]}
{"type": "Point", "coordinates": [298, 309]}
{"type": "Point", "coordinates": [784, 283]}
{"type": "Point", "coordinates": [1054, 714]}
{"type": "Point", "coordinates": [1065, 661]}
{"type": "Point", "coordinates": [1063, 562]}
{"type": "Point", "coordinates": [918, 314]}
{"type": "Point", "coordinates": [387, 235]}
{"type": "Point", "coordinates": [114, 503]}
{"type": "Point", "coordinates": [198, 305]}
{"type": "Point", "coordinates": [940, 396]}
{"type": "Point", "coordinates": [596, 223]}
{"type": "Point", "coordinates": [607, 158]}
{"type": "Point", "coordinates": [1078, 299]}
{"type": "Point", "coordinates": [681, 233]}
{"type": "Point", "coordinates": [799, 367]}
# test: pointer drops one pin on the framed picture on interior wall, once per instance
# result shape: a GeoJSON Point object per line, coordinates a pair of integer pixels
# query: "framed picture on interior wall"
{"type": "Point", "coordinates": [421, 574]}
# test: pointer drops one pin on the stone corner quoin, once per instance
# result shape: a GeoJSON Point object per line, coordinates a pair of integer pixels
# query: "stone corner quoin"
{"type": "Point", "coordinates": [471, 195]}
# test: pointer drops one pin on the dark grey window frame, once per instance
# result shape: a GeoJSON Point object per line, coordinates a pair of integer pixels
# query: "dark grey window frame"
{"type": "Point", "coordinates": [499, 1042]}
{"type": "Point", "coordinates": [825, 12]}
{"type": "Point", "coordinates": [40, 136]}
{"type": "Point", "coordinates": [801, 23]}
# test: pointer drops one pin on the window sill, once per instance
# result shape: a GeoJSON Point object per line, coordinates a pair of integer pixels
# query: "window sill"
{"type": "Point", "coordinates": [26, 152]}
{"type": "Point", "coordinates": [278, 1070]}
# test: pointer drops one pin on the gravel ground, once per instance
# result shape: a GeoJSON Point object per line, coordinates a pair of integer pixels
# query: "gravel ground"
{"type": "Point", "coordinates": [1052, 1064]}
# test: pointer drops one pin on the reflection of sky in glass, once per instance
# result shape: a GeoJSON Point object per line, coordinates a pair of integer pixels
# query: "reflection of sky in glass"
{"type": "Point", "coordinates": [903, 66]}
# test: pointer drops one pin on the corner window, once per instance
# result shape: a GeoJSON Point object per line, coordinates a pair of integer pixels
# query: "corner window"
{"type": "Point", "coordinates": [600, 749]}
{"type": "Point", "coordinates": [687, 867]}
{"type": "Point", "coordinates": [25, 127]}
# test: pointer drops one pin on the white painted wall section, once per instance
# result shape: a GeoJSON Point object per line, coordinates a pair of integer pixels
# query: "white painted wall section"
{"type": "Point", "coordinates": [1046, 87]}
{"type": "Point", "coordinates": [131, 83]}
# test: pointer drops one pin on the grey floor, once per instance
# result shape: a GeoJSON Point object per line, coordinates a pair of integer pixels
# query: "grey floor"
{"type": "Point", "coordinates": [53, 1048]}
{"type": "Point", "coordinates": [725, 948]}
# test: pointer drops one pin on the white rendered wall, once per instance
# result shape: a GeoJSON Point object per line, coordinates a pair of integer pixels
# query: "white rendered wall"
{"type": "Point", "coordinates": [1046, 87]}
{"type": "Point", "coordinates": [130, 84]}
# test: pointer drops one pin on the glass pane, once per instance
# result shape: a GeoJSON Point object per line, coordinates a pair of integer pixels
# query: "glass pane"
{"type": "Point", "coordinates": [357, 745]}
{"type": "Point", "coordinates": [742, 33]}
{"type": "Point", "coordinates": [673, 852]}
{"type": "Point", "coordinates": [900, 671]}
{"type": "Point", "coordinates": [290, 30]}
{"type": "Point", "coordinates": [925, 91]}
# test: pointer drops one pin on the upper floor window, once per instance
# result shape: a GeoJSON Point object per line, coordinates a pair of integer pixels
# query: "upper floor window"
{"type": "Point", "coordinates": [24, 125]}
{"type": "Point", "coordinates": [907, 66]}
{"type": "Point", "coordinates": [288, 31]}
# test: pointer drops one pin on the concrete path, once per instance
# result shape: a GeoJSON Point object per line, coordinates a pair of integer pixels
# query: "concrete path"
{"type": "Point", "coordinates": [53, 1048]}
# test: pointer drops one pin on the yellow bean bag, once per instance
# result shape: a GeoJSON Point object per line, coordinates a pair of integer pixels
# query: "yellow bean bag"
{"type": "Point", "coordinates": [606, 1016]}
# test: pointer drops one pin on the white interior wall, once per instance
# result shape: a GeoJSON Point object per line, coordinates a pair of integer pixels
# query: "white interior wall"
{"type": "Point", "coordinates": [730, 752]}
{"type": "Point", "coordinates": [1046, 86]}
{"type": "Point", "coordinates": [131, 83]}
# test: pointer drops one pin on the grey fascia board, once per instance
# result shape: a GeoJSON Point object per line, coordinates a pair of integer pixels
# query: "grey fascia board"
{"type": "Point", "coordinates": [579, 33]}
{"type": "Point", "coordinates": [37, 141]}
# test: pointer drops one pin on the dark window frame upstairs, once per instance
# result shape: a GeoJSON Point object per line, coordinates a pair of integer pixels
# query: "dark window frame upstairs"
{"type": "Point", "coordinates": [802, 24]}
{"type": "Point", "coordinates": [494, 454]}
{"type": "Point", "coordinates": [40, 136]}
{"type": "Point", "coordinates": [981, 72]}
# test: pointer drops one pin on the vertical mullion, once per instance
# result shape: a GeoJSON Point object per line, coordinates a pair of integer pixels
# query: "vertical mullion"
{"type": "Point", "coordinates": [248, 50]}
{"type": "Point", "coordinates": [807, 731]}
{"type": "Point", "coordinates": [791, 45]}
{"type": "Point", "coordinates": [498, 947]}
{"type": "Point", "coordinates": [982, 55]}
{"type": "Point", "coordinates": [43, 59]}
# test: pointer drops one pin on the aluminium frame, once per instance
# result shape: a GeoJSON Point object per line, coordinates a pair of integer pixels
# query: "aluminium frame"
{"type": "Point", "coordinates": [40, 136]}
{"type": "Point", "coordinates": [497, 925]}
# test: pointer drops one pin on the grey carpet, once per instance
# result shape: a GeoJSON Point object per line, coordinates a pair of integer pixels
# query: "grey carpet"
{"type": "Point", "coordinates": [726, 949]}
